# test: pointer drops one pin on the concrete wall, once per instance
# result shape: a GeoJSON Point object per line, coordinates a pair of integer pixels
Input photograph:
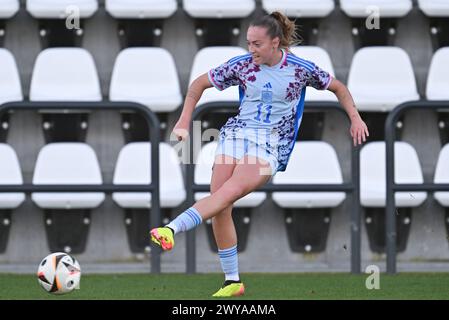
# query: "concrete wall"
{"type": "Point", "coordinates": [267, 249]}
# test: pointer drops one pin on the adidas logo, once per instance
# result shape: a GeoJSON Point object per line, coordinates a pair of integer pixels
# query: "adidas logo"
{"type": "Point", "coordinates": [268, 85]}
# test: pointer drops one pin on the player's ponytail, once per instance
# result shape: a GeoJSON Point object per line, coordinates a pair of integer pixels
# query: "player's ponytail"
{"type": "Point", "coordinates": [279, 25]}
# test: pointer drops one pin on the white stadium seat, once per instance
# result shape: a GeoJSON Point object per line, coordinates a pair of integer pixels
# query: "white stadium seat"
{"type": "Point", "coordinates": [10, 86]}
{"type": "Point", "coordinates": [134, 167]}
{"type": "Point", "coordinates": [311, 162]}
{"type": "Point", "coordinates": [211, 57]}
{"type": "Point", "coordinates": [387, 8]}
{"type": "Point", "coordinates": [322, 59]}
{"type": "Point", "coordinates": [300, 8]}
{"type": "Point", "coordinates": [442, 175]}
{"type": "Point", "coordinates": [380, 78]}
{"type": "Point", "coordinates": [407, 169]}
{"type": "Point", "coordinates": [67, 163]}
{"type": "Point", "coordinates": [219, 8]}
{"type": "Point", "coordinates": [437, 79]}
{"type": "Point", "coordinates": [147, 76]}
{"type": "Point", "coordinates": [434, 8]}
{"type": "Point", "coordinates": [8, 8]}
{"type": "Point", "coordinates": [65, 74]}
{"type": "Point", "coordinates": [10, 173]}
{"type": "Point", "coordinates": [203, 175]}
{"type": "Point", "coordinates": [141, 9]}
{"type": "Point", "coordinates": [60, 9]}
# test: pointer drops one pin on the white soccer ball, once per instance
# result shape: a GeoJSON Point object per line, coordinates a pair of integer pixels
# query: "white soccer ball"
{"type": "Point", "coordinates": [59, 273]}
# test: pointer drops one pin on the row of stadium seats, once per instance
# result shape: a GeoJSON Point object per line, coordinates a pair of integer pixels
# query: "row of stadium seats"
{"type": "Point", "coordinates": [77, 163]}
{"type": "Point", "coordinates": [220, 9]}
{"type": "Point", "coordinates": [379, 79]}
{"type": "Point", "coordinates": [205, 14]}
{"type": "Point", "coordinates": [312, 162]}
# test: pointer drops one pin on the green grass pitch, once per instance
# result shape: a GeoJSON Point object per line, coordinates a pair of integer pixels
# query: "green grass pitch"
{"type": "Point", "coordinates": [269, 286]}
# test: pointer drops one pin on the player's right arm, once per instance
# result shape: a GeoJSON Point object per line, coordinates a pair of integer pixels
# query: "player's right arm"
{"type": "Point", "coordinates": [196, 89]}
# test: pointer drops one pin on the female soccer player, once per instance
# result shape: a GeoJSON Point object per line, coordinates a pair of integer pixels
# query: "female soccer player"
{"type": "Point", "coordinates": [256, 143]}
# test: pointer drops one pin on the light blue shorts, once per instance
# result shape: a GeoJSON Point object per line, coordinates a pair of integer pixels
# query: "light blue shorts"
{"type": "Point", "coordinates": [239, 147]}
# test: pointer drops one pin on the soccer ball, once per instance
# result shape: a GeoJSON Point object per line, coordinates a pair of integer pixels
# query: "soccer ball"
{"type": "Point", "coordinates": [59, 273]}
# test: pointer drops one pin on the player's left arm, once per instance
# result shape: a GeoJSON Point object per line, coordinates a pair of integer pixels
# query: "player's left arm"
{"type": "Point", "coordinates": [359, 130]}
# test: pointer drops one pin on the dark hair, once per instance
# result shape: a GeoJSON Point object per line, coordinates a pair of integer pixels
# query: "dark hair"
{"type": "Point", "coordinates": [279, 25]}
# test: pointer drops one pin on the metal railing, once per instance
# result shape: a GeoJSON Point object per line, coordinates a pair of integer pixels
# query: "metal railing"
{"type": "Point", "coordinates": [153, 187]}
{"type": "Point", "coordinates": [392, 187]}
{"type": "Point", "coordinates": [348, 187]}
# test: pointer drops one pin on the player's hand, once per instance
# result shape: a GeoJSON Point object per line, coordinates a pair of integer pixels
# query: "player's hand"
{"type": "Point", "coordinates": [359, 130]}
{"type": "Point", "coordinates": [181, 130]}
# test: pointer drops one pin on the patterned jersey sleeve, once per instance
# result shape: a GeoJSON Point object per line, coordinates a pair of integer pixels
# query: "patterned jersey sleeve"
{"type": "Point", "coordinates": [318, 78]}
{"type": "Point", "coordinates": [224, 76]}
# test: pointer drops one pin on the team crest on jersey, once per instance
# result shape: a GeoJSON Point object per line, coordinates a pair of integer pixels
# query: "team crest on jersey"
{"type": "Point", "coordinates": [267, 93]}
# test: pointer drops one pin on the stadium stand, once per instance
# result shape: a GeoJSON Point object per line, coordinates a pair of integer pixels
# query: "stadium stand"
{"type": "Point", "coordinates": [442, 176]}
{"type": "Point", "coordinates": [373, 191]}
{"type": "Point", "coordinates": [436, 88]}
{"type": "Point", "coordinates": [380, 78]}
{"type": "Point", "coordinates": [8, 8]}
{"type": "Point", "coordinates": [367, 17]}
{"type": "Point", "coordinates": [306, 13]}
{"type": "Point", "coordinates": [140, 22]}
{"type": "Point", "coordinates": [437, 12]}
{"type": "Point", "coordinates": [67, 215]}
{"type": "Point", "coordinates": [206, 59]}
{"type": "Point", "coordinates": [147, 76]}
{"type": "Point", "coordinates": [308, 214]}
{"type": "Point", "coordinates": [10, 87]}
{"type": "Point", "coordinates": [65, 74]}
{"type": "Point", "coordinates": [312, 128]}
{"type": "Point", "coordinates": [10, 173]}
{"type": "Point", "coordinates": [55, 29]}
{"type": "Point", "coordinates": [134, 167]}
{"type": "Point", "coordinates": [387, 78]}
{"type": "Point", "coordinates": [243, 208]}
{"type": "Point", "coordinates": [218, 22]}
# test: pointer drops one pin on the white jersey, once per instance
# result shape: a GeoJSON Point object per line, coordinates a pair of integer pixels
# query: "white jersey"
{"type": "Point", "coordinates": [271, 100]}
